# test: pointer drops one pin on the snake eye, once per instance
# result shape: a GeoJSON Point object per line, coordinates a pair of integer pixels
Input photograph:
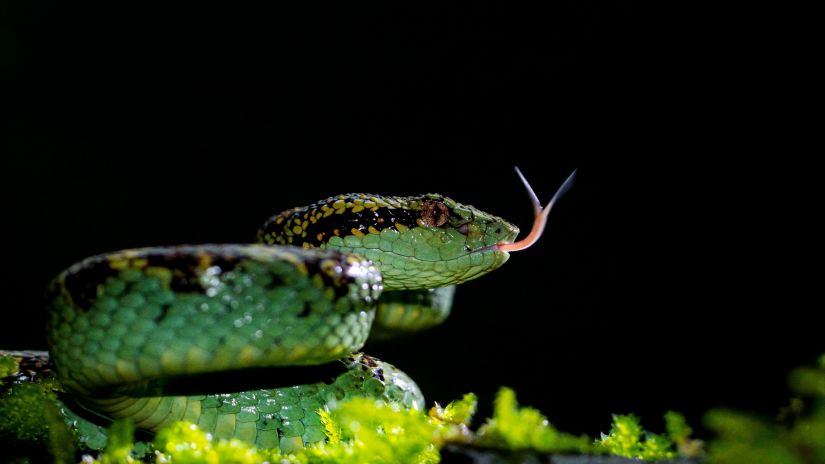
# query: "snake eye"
{"type": "Point", "coordinates": [434, 213]}
{"type": "Point", "coordinates": [463, 229]}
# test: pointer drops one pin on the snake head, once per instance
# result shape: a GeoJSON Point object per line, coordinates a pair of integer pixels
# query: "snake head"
{"type": "Point", "coordinates": [421, 241]}
{"type": "Point", "coordinates": [442, 242]}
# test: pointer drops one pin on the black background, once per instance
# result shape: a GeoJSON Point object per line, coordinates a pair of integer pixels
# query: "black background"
{"type": "Point", "coordinates": [669, 277]}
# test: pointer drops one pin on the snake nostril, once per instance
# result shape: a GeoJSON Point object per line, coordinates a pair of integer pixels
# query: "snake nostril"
{"type": "Point", "coordinates": [463, 229]}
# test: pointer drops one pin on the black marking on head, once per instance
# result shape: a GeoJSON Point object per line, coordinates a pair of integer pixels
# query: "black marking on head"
{"type": "Point", "coordinates": [281, 228]}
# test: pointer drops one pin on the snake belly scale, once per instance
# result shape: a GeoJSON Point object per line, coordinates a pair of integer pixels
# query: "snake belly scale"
{"type": "Point", "coordinates": [143, 334]}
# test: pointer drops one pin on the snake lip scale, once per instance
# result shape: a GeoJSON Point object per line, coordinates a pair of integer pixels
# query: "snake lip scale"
{"type": "Point", "coordinates": [219, 334]}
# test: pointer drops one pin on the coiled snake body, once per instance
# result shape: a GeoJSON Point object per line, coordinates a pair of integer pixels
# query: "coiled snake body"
{"type": "Point", "coordinates": [148, 334]}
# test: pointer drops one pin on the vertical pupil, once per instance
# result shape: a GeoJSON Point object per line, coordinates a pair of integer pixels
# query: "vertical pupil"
{"type": "Point", "coordinates": [434, 213]}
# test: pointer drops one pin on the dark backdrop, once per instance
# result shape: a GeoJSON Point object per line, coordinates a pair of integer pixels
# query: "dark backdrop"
{"type": "Point", "coordinates": [669, 283]}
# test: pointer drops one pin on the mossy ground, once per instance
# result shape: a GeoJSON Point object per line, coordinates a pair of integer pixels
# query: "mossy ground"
{"type": "Point", "coordinates": [361, 430]}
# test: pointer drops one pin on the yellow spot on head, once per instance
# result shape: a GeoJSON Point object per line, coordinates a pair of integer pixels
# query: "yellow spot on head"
{"type": "Point", "coordinates": [401, 227]}
{"type": "Point", "coordinates": [356, 232]}
{"type": "Point", "coordinates": [372, 230]}
{"type": "Point", "coordinates": [279, 219]}
{"type": "Point", "coordinates": [297, 230]}
{"type": "Point", "coordinates": [357, 208]}
{"type": "Point", "coordinates": [320, 236]}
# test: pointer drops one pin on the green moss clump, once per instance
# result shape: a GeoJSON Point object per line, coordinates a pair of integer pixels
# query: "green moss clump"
{"type": "Point", "coordinates": [22, 408]}
{"type": "Point", "coordinates": [627, 438]}
{"type": "Point", "coordinates": [453, 420]}
{"type": "Point", "coordinates": [181, 443]}
{"type": "Point", "coordinates": [359, 429]}
{"type": "Point", "coordinates": [184, 443]}
{"type": "Point", "coordinates": [367, 431]}
{"type": "Point", "coordinates": [795, 436]}
{"type": "Point", "coordinates": [39, 426]}
{"type": "Point", "coordinates": [120, 443]}
{"type": "Point", "coordinates": [459, 412]}
{"type": "Point", "coordinates": [8, 367]}
{"type": "Point", "coordinates": [30, 421]}
{"type": "Point", "coordinates": [522, 428]}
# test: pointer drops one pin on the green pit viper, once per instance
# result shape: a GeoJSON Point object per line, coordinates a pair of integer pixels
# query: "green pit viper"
{"type": "Point", "coordinates": [203, 333]}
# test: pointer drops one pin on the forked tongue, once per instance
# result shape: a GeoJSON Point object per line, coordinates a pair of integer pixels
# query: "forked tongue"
{"type": "Point", "coordinates": [540, 214]}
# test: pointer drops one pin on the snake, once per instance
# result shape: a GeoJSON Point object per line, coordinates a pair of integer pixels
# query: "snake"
{"type": "Point", "coordinates": [251, 341]}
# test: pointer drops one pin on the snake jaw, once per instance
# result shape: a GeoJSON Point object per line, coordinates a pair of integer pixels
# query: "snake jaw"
{"type": "Point", "coordinates": [540, 213]}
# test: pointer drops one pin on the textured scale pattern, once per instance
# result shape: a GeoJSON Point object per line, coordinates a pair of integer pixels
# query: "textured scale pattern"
{"type": "Point", "coordinates": [257, 314]}
{"type": "Point", "coordinates": [159, 335]}
{"type": "Point", "coordinates": [134, 329]}
{"type": "Point", "coordinates": [402, 312]}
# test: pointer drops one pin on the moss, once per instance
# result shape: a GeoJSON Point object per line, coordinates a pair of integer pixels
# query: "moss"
{"type": "Point", "coordinates": [22, 409]}
{"type": "Point", "coordinates": [680, 434]}
{"type": "Point", "coordinates": [368, 431]}
{"type": "Point", "coordinates": [454, 419]}
{"type": "Point", "coordinates": [34, 422]}
{"type": "Point", "coordinates": [359, 430]}
{"type": "Point", "coordinates": [8, 367]}
{"type": "Point", "coordinates": [458, 412]}
{"type": "Point", "coordinates": [184, 443]}
{"type": "Point", "coordinates": [30, 422]}
{"type": "Point", "coordinates": [627, 438]}
{"type": "Point", "coordinates": [795, 436]}
{"type": "Point", "coordinates": [523, 428]}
